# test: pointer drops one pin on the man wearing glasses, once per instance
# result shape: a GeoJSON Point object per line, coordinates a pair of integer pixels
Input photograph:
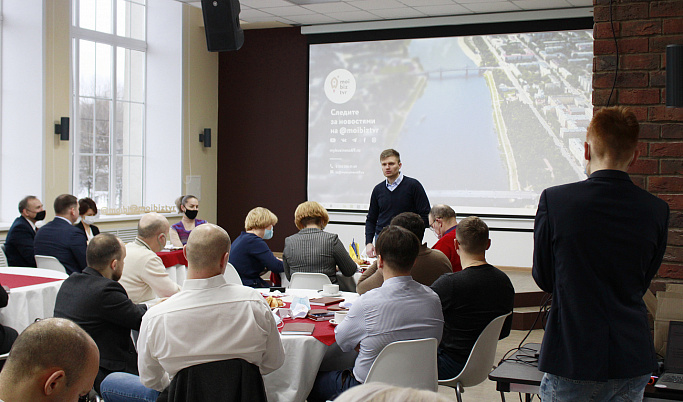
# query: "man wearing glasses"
{"type": "Point", "coordinates": [443, 223]}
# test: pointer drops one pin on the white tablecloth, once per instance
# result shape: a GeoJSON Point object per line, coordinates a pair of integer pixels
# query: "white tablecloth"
{"type": "Point", "coordinates": [177, 273]}
{"type": "Point", "coordinates": [30, 302]}
{"type": "Point", "coordinates": [304, 356]}
{"type": "Point", "coordinates": [347, 283]}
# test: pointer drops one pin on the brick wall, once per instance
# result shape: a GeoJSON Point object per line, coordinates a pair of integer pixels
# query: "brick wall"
{"type": "Point", "coordinates": [643, 29]}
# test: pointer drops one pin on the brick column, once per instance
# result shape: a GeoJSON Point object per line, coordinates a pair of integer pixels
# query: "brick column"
{"type": "Point", "coordinates": [643, 29]}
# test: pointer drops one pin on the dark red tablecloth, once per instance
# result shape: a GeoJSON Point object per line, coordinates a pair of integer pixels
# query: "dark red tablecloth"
{"type": "Point", "coordinates": [13, 281]}
{"type": "Point", "coordinates": [172, 258]}
{"type": "Point", "coordinates": [324, 331]}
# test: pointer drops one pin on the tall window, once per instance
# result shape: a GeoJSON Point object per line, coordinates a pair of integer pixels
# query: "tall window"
{"type": "Point", "coordinates": [109, 94]}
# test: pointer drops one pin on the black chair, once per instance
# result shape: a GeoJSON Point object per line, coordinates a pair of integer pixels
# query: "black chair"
{"type": "Point", "coordinates": [233, 380]}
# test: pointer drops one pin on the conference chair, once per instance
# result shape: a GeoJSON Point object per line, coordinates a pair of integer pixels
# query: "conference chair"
{"type": "Point", "coordinates": [407, 364]}
{"type": "Point", "coordinates": [309, 280]}
{"type": "Point", "coordinates": [49, 262]}
{"type": "Point", "coordinates": [231, 275]}
{"type": "Point", "coordinates": [480, 361]}
{"type": "Point", "coordinates": [3, 256]}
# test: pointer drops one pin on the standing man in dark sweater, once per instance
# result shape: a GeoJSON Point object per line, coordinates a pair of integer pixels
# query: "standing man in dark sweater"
{"type": "Point", "coordinates": [398, 193]}
{"type": "Point", "coordinates": [470, 298]}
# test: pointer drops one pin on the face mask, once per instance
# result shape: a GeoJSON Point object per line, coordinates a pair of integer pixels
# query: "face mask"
{"type": "Point", "coordinates": [268, 234]}
{"type": "Point", "coordinates": [40, 216]}
{"type": "Point", "coordinates": [90, 219]}
{"type": "Point", "coordinates": [191, 213]}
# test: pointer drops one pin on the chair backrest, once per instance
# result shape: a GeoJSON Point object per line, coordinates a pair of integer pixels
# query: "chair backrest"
{"type": "Point", "coordinates": [49, 262]}
{"type": "Point", "coordinates": [3, 256]}
{"type": "Point", "coordinates": [231, 275]}
{"type": "Point", "coordinates": [480, 361]}
{"type": "Point", "coordinates": [407, 364]}
{"type": "Point", "coordinates": [309, 280]}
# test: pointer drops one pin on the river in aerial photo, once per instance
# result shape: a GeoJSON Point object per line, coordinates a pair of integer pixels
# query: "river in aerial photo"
{"type": "Point", "coordinates": [449, 141]}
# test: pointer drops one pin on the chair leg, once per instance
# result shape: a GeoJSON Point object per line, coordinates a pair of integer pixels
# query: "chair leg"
{"type": "Point", "coordinates": [458, 392]}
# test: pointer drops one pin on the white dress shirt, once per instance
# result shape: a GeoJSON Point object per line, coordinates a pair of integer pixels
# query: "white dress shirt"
{"type": "Point", "coordinates": [399, 310]}
{"type": "Point", "coordinates": [144, 275]}
{"type": "Point", "coordinates": [209, 320]}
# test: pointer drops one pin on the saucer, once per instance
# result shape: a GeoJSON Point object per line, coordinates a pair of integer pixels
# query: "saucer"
{"type": "Point", "coordinates": [329, 294]}
{"type": "Point", "coordinates": [333, 322]}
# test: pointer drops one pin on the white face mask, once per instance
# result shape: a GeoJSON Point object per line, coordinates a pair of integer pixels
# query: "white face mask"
{"type": "Point", "coordinates": [90, 219]}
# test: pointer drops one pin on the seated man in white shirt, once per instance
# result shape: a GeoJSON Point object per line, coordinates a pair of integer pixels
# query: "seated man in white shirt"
{"type": "Point", "coordinates": [145, 276]}
{"type": "Point", "coordinates": [400, 309]}
{"type": "Point", "coordinates": [208, 320]}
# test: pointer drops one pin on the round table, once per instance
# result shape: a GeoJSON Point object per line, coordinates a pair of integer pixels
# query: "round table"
{"type": "Point", "coordinates": [175, 263]}
{"type": "Point", "coordinates": [32, 295]}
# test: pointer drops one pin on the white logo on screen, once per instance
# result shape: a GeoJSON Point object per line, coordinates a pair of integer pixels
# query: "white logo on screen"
{"type": "Point", "coordinates": [340, 86]}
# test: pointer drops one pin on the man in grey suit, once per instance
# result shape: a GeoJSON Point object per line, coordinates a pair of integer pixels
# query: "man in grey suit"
{"type": "Point", "coordinates": [597, 245]}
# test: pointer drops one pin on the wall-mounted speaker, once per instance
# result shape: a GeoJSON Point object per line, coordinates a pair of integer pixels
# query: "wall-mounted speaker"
{"type": "Point", "coordinates": [674, 75]}
{"type": "Point", "coordinates": [62, 128]}
{"type": "Point", "coordinates": [222, 25]}
{"type": "Point", "coordinates": [205, 138]}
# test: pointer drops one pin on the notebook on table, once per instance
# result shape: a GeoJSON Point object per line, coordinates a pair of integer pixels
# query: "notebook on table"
{"type": "Point", "coordinates": [672, 377]}
{"type": "Point", "coordinates": [325, 301]}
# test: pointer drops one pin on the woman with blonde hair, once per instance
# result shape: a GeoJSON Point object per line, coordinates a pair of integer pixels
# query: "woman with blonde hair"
{"type": "Point", "coordinates": [250, 254]}
{"type": "Point", "coordinates": [313, 249]}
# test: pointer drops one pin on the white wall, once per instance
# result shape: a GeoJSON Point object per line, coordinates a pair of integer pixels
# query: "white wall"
{"type": "Point", "coordinates": [507, 248]}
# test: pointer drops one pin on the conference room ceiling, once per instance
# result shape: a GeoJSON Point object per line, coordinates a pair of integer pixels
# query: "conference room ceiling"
{"type": "Point", "coordinates": [277, 13]}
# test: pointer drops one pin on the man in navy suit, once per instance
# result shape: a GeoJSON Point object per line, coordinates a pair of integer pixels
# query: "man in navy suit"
{"type": "Point", "coordinates": [597, 245]}
{"type": "Point", "coordinates": [19, 241]}
{"type": "Point", "coordinates": [60, 239]}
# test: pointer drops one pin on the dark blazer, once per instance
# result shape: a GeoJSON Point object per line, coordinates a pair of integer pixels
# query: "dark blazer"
{"type": "Point", "coordinates": [19, 244]}
{"type": "Point", "coordinates": [597, 245]}
{"type": "Point", "coordinates": [63, 241]}
{"type": "Point", "coordinates": [94, 229]}
{"type": "Point", "coordinates": [102, 308]}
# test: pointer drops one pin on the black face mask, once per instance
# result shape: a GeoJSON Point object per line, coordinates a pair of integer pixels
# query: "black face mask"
{"type": "Point", "coordinates": [191, 213]}
{"type": "Point", "coordinates": [40, 216]}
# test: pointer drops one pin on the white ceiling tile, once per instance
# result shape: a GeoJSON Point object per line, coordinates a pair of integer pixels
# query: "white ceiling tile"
{"type": "Point", "coordinates": [446, 9]}
{"type": "Point", "coordinates": [375, 4]}
{"type": "Point", "coordinates": [354, 16]}
{"type": "Point", "coordinates": [265, 3]}
{"type": "Point", "coordinates": [417, 3]}
{"type": "Point", "coordinates": [291, 10]}
{"type": "Point", "coordinates": [312, 19]}
{"type": "Point", "coordinates": [492, 7]}
{"type": "Point", "coordinates": [396, 13]}
{"type": "Point", "coordinates": [541, 4]}
{"type": "Point", "coordinates": [581, 3]}
{"type": "Point", "coordinates": [250, 15]}
{"type": "Point", "coordinates": [480, 1]}
{"type": "Point", "coordinates": [325, 8]}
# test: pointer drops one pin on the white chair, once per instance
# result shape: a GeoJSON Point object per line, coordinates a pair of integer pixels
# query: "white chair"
{"type": "Point", "coordinates": [407, 364]}
{"type": "Point", "coordinates": [4, 356]}
{"type": "Point", "coordinates": [231, 275]}
{"type": "Point", "coordinates": [480, 361]}
{"type": "Point", "coordinates": [308, 280]}
{"type": "Point", "coordinates": [49, 262]}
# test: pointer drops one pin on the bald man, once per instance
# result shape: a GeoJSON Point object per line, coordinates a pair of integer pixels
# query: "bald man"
{"type": "Point", "coordinates": [52, 360]}
{"type": "Point", "coordinates": [173, 333]}
{"type": "Point", "coordinates": [145, 277]}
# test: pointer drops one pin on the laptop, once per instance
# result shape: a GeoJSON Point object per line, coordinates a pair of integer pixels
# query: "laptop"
{"type": "Point", "coordinates": [672, 377]}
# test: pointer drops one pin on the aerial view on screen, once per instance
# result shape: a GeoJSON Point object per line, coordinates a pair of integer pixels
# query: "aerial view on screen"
{"type": "Point", "coordinates": [484, 122]}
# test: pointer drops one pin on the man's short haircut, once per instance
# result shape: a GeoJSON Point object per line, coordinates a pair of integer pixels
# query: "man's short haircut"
{"type": "Point", "coordinates": [182, 200]}
{"type": "Point", "coordinates": [311, 212]}
{"type": "Point", "coordinates": [613, 133]}
{"type": "Point", "coordinates": [64, 203]}
{"type": "Point", "coordinates": [412, 222]}
{"type": "Point", "coordinates": [442, 211]}
{"type": "Point", "coordinates": [103, 249]}
{"type": "Point", "coordinates": [398, 247]}
{"type": "Point", "coordinates": [52, 342]}
{"type": "Point", "coordinates": [206, 245]}
{"type": "Point", "coordinates": [259, 218]}
{"type": "Point", "coordinates": [84, 204]}
{"type": "Point", "coordinates": [151, 224]}
{"type": "Point", "coordinates": [23, 204]}
{"type": "Point", "coordinates": [473, 235]}
{"type": "Point", "coordinates": [389, 152]}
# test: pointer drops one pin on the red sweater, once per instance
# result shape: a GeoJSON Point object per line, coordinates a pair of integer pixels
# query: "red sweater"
{"type": "Point", "coordinates": [446, 245]}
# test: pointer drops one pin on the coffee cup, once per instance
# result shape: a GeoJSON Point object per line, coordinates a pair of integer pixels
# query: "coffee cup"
{"type": "Point", "coordinates": [331, 289]}
{"type": "Point", "coordinates": [339, 316]}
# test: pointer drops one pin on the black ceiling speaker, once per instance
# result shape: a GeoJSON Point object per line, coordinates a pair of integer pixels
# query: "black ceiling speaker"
{"type": "Point", "coordinates": [674, 75]}
{"type": "Point", "coordinates": [222, 25]}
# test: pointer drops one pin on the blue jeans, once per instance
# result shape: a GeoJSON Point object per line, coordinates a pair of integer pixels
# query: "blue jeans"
{"type": "Point", "coordinates": [559, 389]}
{"type": "Point", "coordinates": [125, 387]}
{"type": "Point", "coordinates": [329, 384]}
{"type": "Point", "coordinates": [448, 367]}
